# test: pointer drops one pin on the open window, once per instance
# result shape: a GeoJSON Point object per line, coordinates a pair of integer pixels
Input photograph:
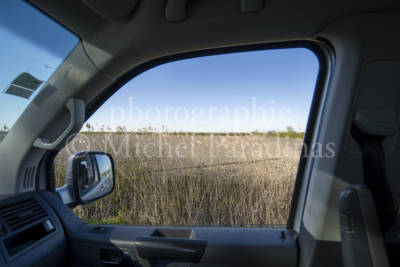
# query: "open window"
{"type": "Point", "coordinates": [206, 141]}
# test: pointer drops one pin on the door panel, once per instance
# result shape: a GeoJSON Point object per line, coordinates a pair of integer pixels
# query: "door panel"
{"type": "Point", "coordinates": [104, 245]}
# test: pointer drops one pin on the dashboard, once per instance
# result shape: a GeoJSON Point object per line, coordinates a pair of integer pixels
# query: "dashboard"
{"type": "Point", "coordinates": [30, 233]}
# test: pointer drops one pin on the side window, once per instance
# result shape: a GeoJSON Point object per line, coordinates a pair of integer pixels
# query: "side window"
{"type": "Point", "coordinates": [213, 140]}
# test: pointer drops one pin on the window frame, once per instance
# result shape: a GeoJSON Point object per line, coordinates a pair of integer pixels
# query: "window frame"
{"type": "Point", "coordinates": [324, 53]}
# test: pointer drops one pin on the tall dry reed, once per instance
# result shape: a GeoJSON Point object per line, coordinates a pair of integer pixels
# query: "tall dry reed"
{"type": "Point", "coordinates": [172, 179]}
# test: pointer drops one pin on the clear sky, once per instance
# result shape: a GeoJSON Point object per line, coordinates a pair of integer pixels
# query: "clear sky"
{"type": "Point", "coordinates": [32, 43]}
{"type": "Point", "coordinates": [239, 92]}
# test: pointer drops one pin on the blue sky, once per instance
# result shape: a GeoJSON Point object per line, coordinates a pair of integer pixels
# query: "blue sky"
{"type": "Point", "coordinates": [239, 92]}
{"type": "Point", "coordinates": [33, 43]}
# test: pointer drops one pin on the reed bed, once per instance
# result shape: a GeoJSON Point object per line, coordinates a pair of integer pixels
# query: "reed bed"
{"type": "Point", "coordinates": [192, 179]}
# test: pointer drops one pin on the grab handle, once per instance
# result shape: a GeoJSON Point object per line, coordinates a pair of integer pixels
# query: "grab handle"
{"type": "Point", "coordinates": [76, 108]}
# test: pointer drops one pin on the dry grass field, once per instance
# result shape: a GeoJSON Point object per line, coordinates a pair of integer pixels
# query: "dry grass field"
{"type": "Point", "coordinates": [192, 179]}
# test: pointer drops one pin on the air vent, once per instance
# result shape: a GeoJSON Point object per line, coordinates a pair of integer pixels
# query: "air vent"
{"type": "Point", "coordinates": [24, 85]}
{"type": "Point", "coordinates": [22, 213]}
{"type": "Point", "coordinates": [29, 178]}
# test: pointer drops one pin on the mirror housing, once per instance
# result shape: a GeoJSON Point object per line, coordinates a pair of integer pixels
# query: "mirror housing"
{"type": "Point", "coordinates": [89, 176]}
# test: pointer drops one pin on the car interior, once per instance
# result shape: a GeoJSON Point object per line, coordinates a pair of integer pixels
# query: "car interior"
{"type": "Point", "coordinates": [344, 209]}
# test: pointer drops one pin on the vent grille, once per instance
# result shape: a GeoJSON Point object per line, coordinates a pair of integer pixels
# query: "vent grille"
{"type": "Point", "coordinates": [24, 85]}
{"type": "Point", "coordinates": [19, 91]}
{"type": "Point", "coordinates": [29, 178]}
{"type": "Point", "coordinates": [22, 213]}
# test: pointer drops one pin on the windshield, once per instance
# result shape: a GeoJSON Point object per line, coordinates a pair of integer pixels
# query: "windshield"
{"type": "Point", "coordinates": [33, 46]}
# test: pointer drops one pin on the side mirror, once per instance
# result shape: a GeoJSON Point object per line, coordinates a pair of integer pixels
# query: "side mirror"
{"type": "Point", "coordinates": [89, 176]}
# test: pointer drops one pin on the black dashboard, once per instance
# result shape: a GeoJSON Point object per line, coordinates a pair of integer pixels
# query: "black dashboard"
{"type": "Point", "coordinates": [30, 233]}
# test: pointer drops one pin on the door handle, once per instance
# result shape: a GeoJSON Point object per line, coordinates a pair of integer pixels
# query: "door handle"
{"type": "Point", "coordinates": [106, 262]}
{"type": "Point", "coordinates": [111, 257]}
